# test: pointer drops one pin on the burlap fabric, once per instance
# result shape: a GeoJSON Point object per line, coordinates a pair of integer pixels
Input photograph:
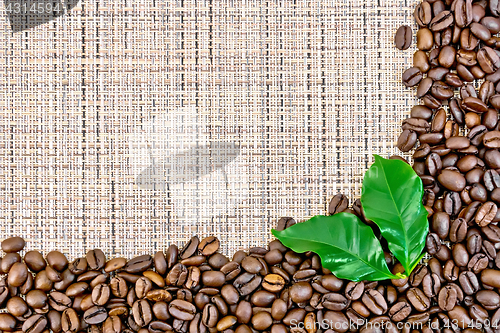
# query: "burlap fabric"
{"type": "Point", "coordinates": [127, 125]}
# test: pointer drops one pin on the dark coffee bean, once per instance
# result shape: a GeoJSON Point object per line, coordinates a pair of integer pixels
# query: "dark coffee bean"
{"type": "Point", "coordinates": [478, 263]}
{"type": "Point", "coordinates": [480, 31]}
{"type": "Point", "coordinates": [70, 322]}
{"type": "Point", "coordinates": [57, 260]}
{"type": "Point", "coordinates": [190, 248]}
{"type": "Point", "coordinates": [476, 134]}
{"type": "Point", "coordinates": [141, 311]}
{"type": "Point", "coordinates": [441, 224]}
{"type": "Point", "coordinates": [13, 244]}
{"type": "Point", "coordinates": [403, 37]}
{"type": "Point", "coordinates": [474, 243]}
{"type": "Point", "coordinates": [423, 14]}
{"type": "Point", "coordinates": [421, 112]}
{"type": "Point", "coordinates": [441, 90]}
{"type": "Point", "coordinates": [209, 246]}
{"type": "Point", "coordinates": [488, 59]}
{"type": "Point", "coordinates": [417, 299]}
{"type": "Point", "coordinates": [96, 259]}
{"type": "Point", "coordinates": [247, 283]}
{"type": "Point", "coordinates": [491, 23]}
{"type": "Point", "coordinates": [335, 301]}
{"type": "Point", "coordinates": [34, 324]}
{"type": "Point", "coordinates": [374, 301]}
{"type": "Point", "coordinates": [138, 264]}
{"type": "Point", "coordinates": [431, 284]}
{"type": "Point", "coordinates": [432, 244]}
{"type": "Point", "coordinates": [452, 203]}
{"type": "Point", "coordinates": [177, 275]}
{"type": "Point", "coordinates": [431, 101]}
{"type": "Point", "coordinates": [354, 290]}
{"type": "Point", "coordinates": [463, 12]}
{"type": "Point", "coordinates": [447, 298]}
{"type": "Point", "coordinates": [458, 230]}
{"type": "Point", "coordinates": [443, 38]}
{"type": "Point", "coordinates": [486, 213]}
{"type": "Point", "coordinates": [431, 138]}
{"type": "Point", "coordinates": [424, 87]}
{"type": "Point", "coordinates": [407, 140]}
{"type": "Point", "coordinates": [452, 180]}
{"type": "Point", "coordinates": [411, 77]}
{"type": "Point", "coordinates": [453, 80]}
{"type": "Point", "coordinates": [419, 126]}
{"type": "Point", "coordinates": [59, 301]}
{"type": "Point", "coordinates": [18, 274]}
{"type": "Point", "coordinates": [450, 270]}
{"type": "Point", "coordinates": [441, 21]}
{"type": "Point", "coordinates": [492, 233]}
{"type": "Point", "coordinates": [460, 255]}
{"type": "Point", "coordinates": [95, 315]}
{"type": "Point", "coordinates": [492, 158]}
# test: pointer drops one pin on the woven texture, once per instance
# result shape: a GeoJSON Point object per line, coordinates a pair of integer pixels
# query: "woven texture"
{"type": "Point", "coordinates": [128, 125]}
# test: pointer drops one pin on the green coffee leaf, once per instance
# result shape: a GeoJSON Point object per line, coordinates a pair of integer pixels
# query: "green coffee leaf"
{"type": "Point", "coordinates": [346, 246]}
{"type": "Point", "coordinates": [392, 198]}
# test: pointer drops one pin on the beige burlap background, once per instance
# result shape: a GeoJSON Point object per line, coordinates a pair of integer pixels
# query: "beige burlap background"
{"type": "Point", "coordinates": [128, 125]}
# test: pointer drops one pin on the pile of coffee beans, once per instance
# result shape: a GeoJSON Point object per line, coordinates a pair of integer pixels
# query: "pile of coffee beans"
{"type": "Point", "coordinates": [456, 136]}
{"type": "Point", "coordinates": [195, 289]}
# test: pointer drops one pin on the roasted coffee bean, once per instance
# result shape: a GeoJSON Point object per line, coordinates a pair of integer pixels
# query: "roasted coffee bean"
{"type": "Point", "coordinates": [417, 299]}
{"type": "Point", "coordinates": [138, 264]}
{"type": "Point", "coordinates": [441, 224]}
{"type": "Point", "coordinates": [452, 203]}
{"type": "Point", "coordinates": [334, 301]}
{"type": "Point", "coordinates": [13, 244]}
{"type": "Point", "coordinates": [478, 263]}
{"type": "Point", "coordinates": [95, 315]}
{"type": "Point", "coordinates": [247, 283]}
{"type": "Point", "coordinates": [432, 243]}
{"type": "Point", "coordinates": [96, 259]}
{"type": "Point", "coordinates": [469, 282]}
{"type": "Point", "coordinates": [142, 314]}
{"type": "Point", "coordinates": [412, 76]}
{"type": "Point", "coordinates": [399, 311]}
{"type": "Point", "coordinates": [447, 298]}
{"type": "Point", "coordinates": [450, 270]}
{"type": "Point", "coordinates": [460, 255]}
{"type": "Point", "coordinates": [403, 37]}
{"type": "Point", "coordinates": [70, 322]}
{"type": "Point", "coordinates": [441, 21]}
{"type": "Point", "coordinates": [423, 13]}
{"type": "Point", "coordinates": [354, 290]}
{"type": "Point", "coordinates": [452, 180]}
{"type": "Point", "coordinates": [431, 284]}
{"type": "Point", "coordinates": [374, 301]}
{"type": "Point", "coordinates": [486, 213]}
{"type": "Point", "coordinates": [209, 246]}
{"type": "Point", "coordinates": [35, 324]}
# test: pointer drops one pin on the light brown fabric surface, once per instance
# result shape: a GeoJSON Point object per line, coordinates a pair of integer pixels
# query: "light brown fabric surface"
{"type": "Point", "coordinates": [252, 109]}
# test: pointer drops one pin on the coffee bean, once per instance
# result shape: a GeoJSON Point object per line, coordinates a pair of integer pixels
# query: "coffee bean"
{"type": "Point", "coordinates": [95, 315]}
{"type": "Point", "coordinates": [354, 290]}
{"type": "Point", "coordinates": [374, 301]}
{"type": "Point", "coordinates": [486, 213]}
{"type": "Point", "coordinates": [452, 180]}
{"type": "Point", "coordinates": [34, 324]}
{"type": "Point", "coordinates": [412, 76]}
{"type": "Point", "coordinates": [13, 244]}
{"type": "Point", "coordinates": [70, 321]}
{"type": "Point", "coordinates": [209, 246]}
{"type": "Point", "coordinates": [403, 37]}
{"type": "Point", "coordinates": [417, 299]}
